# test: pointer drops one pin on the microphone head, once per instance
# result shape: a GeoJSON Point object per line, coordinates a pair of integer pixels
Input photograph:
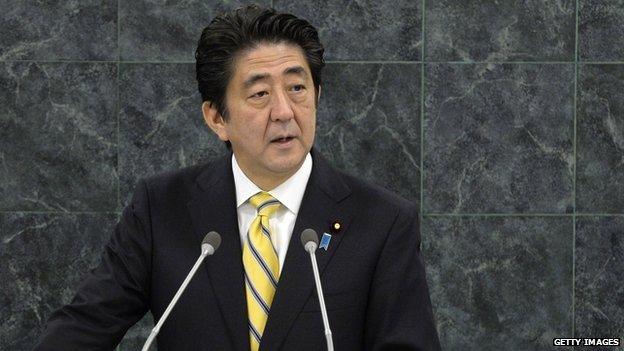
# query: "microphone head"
{"type": "Point", "coordinates": [309, 235]}
{"type": "Point", "coordinates": [213, 239]}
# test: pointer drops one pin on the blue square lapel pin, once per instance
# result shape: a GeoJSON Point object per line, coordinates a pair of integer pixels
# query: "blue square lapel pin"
{"type": "Point", "coordinates": [325, 239]}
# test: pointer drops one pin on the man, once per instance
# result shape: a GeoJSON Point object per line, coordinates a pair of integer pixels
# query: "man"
{"type": "Point", "coordinates": [259, 73]}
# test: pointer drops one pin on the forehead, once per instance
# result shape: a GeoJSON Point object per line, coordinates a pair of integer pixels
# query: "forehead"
{"type": "Point", "coordinates": [268, 59]}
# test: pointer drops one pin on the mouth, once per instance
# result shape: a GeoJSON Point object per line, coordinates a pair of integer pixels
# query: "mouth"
{"type": "Point", "coordinates": [282, 140]}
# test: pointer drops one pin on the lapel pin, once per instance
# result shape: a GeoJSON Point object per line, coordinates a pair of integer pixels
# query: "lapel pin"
{"type": "Point", "coordinates": [325, 241]}
{"type": "Point", "coordinates": [336, 226]}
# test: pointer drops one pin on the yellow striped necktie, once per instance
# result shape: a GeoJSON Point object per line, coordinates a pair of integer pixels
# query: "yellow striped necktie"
{"type": "Point", "coordinates": [261, 266]}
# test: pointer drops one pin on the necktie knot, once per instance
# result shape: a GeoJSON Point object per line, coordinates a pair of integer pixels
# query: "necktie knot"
{"type": "Point", "coordinates": [265, 204]}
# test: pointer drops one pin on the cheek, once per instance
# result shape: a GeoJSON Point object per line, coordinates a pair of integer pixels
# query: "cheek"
{"type": "Point", "coordinates": [307, 114]}
{"type": "Point", "coordinates": [307, 123]}
{"type": "Point", "coordinates": [250, 133]}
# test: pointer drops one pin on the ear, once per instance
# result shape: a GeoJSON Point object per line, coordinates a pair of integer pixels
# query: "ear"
{"type": "Point", "coordinates": [214, 120]}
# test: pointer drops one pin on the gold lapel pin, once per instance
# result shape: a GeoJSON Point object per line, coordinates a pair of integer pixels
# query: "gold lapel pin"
{"type": "Point", "coordinates": [336, 226]}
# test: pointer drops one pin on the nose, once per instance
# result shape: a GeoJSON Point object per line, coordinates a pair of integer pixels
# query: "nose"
{"type": "Point", "coordinates": [281, 109]}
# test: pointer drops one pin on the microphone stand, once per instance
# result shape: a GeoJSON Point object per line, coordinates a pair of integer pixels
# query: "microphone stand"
{"type": "Point", "coordinates": [311, 248]}
{"type": "Point", "coordinates": [206, 250]}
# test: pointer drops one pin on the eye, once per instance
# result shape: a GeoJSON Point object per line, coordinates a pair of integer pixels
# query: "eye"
{"type": "Point", "coordinates": [259, 94]}
{"type": "Point", "coordinates": [299, 87]}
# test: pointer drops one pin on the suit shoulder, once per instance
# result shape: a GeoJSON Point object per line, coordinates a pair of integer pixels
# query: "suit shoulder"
{"type": "Point", "coordinates": [173, 177]}
{"type": "Point", "coordinates": [173, 185]}
{"type": "Point", "coordinates": [368, 192]}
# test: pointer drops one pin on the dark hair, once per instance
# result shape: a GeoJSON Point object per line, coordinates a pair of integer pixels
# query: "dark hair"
{"type": "Point", "coordinates": [230, 33]}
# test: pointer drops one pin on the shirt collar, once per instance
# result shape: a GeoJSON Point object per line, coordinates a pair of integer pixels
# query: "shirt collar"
{"type": "Point", "coordinates": [289, 193]}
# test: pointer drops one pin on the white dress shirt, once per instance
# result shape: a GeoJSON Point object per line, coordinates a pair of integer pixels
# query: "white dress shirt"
{"type": "Point", "coordinates": [289, 193]}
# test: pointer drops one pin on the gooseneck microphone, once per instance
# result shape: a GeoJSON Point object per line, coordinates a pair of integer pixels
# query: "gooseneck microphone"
{"type": "Point", "coordinates": [309, 240]}
{"type": "Point", "coordinates": [209, 245]}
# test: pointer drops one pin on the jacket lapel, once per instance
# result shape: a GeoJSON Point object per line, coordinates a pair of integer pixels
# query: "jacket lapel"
{"type": "Point", "coordinates": [323, 202]}
{"type": "Point", "coordinates": [214, 208]}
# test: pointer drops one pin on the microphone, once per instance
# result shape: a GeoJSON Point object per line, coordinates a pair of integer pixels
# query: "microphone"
{"type": "Point", "coordinates": [209, 245]}
{"type": "Point", "coordinates": [309, 240]}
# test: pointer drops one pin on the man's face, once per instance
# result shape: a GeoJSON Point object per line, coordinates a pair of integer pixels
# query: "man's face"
{"type": "Point", "coordinates": [271, 111]}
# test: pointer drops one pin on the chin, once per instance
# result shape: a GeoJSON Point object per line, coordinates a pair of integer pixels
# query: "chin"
{"type": "Point", "coordinates": [287, 164]}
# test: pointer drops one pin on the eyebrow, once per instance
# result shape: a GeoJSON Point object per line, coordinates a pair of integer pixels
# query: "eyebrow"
{"type": "Point", "coordinates": [295, 70]}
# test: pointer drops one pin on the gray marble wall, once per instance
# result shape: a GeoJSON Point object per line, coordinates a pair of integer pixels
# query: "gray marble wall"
{"type": "Point", "coordinates": [503, 120]}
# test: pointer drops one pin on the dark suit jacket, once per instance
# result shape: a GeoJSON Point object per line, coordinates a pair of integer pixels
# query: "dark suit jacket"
{"type": "Point", "coordinates": [372, 273]}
